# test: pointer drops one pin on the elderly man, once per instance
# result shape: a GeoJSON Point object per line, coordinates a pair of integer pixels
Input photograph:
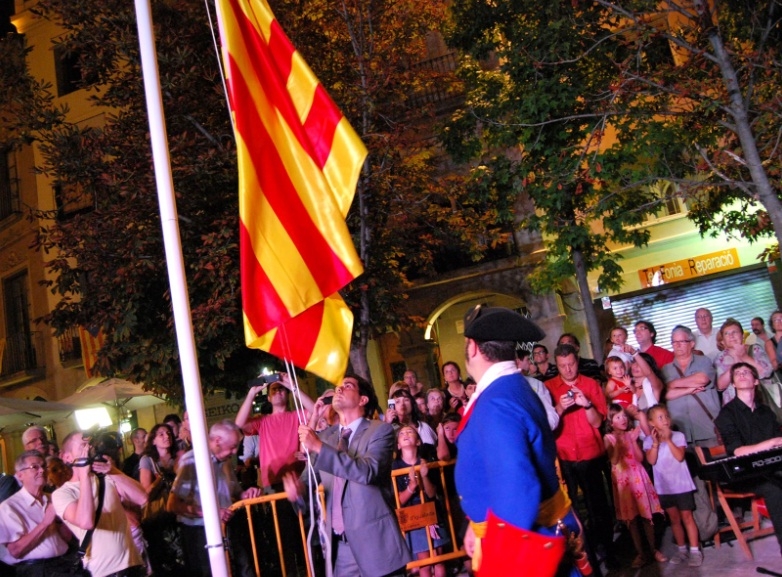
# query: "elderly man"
{"type": "Point", "coordinates": [353, 460]}
{"type": "Point", "coordinates": [31, 537]}
{"type": "Point", "coordinates": [514, 496]}
{"type": "Point", "coordinates": [705, 336]}
{"type": "Point", "coordinates": [111, 550]}
{"type": "Point", "coordinates": [691, 394]}
{"type": "Point", "coordinates": [35, 438]}
{"type": "Point", "coordinates": [185, 497]}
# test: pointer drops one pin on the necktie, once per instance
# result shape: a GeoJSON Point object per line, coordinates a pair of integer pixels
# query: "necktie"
{"type": "Point", "coordinates": [338, 488]}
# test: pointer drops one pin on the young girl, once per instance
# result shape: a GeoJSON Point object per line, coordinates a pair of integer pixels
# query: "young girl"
{"type": "Point", "coordinates": [619, 346]}
{"type": "Point", "coordinates": [407, 442]}
{"type": "Point", "coordinates": [665, 453]}
{"type": "Point", "coordinates": [634, 496]}
{"type": "Point", "coordinates": [620, 388]}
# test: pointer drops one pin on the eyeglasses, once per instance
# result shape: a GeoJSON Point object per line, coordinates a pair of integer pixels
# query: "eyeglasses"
{"type": "Point", "coordinates": [35, 468]}
{"type": "Point", "coordinates": [680, 342]}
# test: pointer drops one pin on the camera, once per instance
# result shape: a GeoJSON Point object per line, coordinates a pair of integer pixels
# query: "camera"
{"type": "Point", "coordinates": [570, 393]}
{"type": "Point", "coordinates": [264, 380]}
{"type": "Point", "coordinates": [102, 444]}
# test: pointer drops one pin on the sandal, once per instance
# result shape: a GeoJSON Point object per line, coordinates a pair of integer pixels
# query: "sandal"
{"type": "Point", "coordinates": [638, 562]}
{"type": "Point", "coordinates": [659, 557]}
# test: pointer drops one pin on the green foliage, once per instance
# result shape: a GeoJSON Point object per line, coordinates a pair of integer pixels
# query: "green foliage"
{"type": "Point", "coordinates": [408, 211]}
{"type": "Point", "coordinates": [107, 264]}
{"type": "Point", "coordinates": [603, 101]}
{"type": "Point", "coordinates": [536, 115]}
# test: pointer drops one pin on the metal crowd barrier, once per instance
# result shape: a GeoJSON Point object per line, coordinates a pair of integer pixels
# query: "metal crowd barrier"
{"type": "Point", "coordinates": [273, 502]}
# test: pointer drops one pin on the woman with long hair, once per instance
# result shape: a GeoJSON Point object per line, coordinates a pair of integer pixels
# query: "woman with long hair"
{"type": "Point", "coordinates": [455, 395]}
{"type": "Point", "coordinates": [157, 470]}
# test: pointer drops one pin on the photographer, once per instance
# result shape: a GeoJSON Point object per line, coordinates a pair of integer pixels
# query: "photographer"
{"type": "Point", "coordinates": [278, 438]}
{"type": "Point", "coordinates": [111, 552]}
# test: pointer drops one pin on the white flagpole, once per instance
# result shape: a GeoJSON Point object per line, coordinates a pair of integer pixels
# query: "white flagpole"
{"type": "Point", "coordinates": [194, 399]}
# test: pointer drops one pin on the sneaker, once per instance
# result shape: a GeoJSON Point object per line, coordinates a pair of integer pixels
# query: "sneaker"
{"type": "Point", "coordinates": [678, 557]}
{"type": "Point", "coordinates": [696, 559]}
{"type": "Point", "coordinates": [659, 557]}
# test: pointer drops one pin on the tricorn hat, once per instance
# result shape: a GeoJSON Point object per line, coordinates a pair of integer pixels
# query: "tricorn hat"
{"type": "Point", "coordinates": [500, 324]}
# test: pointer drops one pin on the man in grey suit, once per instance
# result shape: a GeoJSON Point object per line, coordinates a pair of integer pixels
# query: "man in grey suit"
{"type": "Point", "coordinates": [353, 460]}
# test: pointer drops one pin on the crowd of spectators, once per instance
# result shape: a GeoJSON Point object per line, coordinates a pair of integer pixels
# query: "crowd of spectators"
{"type": "Point", "coordinates": [647, 405]}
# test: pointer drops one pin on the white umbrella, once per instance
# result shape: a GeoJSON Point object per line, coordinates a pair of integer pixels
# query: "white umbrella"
{"type": "Point", "coordinates": [19, 413]}
{"type": "Point", "coordinates": [115, 393]}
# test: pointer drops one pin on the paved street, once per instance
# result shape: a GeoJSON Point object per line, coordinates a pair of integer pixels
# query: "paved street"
{"type": "Point", "coordinates": [726, 561]}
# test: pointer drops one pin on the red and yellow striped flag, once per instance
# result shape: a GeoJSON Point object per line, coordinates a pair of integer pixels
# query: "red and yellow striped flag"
{"type": "Point", "coordinates": [299, 161]}
{"type": "Point", "coordinates": [90, 345]}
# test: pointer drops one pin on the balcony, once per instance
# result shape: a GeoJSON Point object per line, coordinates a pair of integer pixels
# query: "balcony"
{"type": "Point", "coordinates": [443, 95]}
{"type": "Point", "coordinates": [23, 358]}
{"type": "Point", "coordinates": [69, 345]}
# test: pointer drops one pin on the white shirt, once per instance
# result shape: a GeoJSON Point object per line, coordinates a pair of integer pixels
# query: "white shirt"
{"type": "Point", "coordinates": [505, 368]}
{"type": "Point", "coordinates": [112, 547]}
{"type": "Point", "coordinates": [20, 514]}
{"type": "Point", "coordinates": [707, 344]}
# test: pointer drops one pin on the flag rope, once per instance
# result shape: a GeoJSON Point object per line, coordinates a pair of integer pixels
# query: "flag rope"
{"type": "Point", "coordinates": [317, 517]}
{"type": "Point", "coordinates": [220, 63]}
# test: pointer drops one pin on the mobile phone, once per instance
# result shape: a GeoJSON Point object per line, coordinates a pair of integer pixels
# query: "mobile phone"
{"type": "Point", "coordinates": [391, 404]}
{"type": "Point", "coordinates": [264, 380]}
{"type": "Point", "coordinates": [328, 400]}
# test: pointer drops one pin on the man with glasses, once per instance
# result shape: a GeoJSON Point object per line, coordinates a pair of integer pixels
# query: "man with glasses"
{"type": "Point", "coordinates": [185, 498]}
{"type": "Point", "coordinates": [31, 537]}
{"type": "Point", "coordinates": [691, 395]}
{"type": "Point", "coordinates": [544, 370]}
{"type": "Point", "coordinates": [35, 438]}
{"type": "Point", "coordinates": [646, 337]}
{"type": "Point", "coordinates": [705, 336]}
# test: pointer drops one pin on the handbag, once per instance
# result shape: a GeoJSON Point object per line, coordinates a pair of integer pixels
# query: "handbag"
{"type": "Point", "coordinates": [155, 508]}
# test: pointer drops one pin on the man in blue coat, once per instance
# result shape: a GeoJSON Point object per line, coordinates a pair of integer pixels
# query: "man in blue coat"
{"type": "Point", "coordinates": [505, 472]}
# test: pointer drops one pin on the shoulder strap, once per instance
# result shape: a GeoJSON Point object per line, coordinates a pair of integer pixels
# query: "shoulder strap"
{"type": "Point", "coordinates": [703, 406]}
{"type": "Point", "coordinates": [88, 536]}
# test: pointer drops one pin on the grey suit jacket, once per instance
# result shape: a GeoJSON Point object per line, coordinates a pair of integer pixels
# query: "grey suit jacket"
{"type": "Point", "coordinates": [371, 526]}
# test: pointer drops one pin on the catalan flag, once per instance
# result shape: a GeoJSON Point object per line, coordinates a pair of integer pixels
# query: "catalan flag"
{"type": "Point", "coordinates": [299, 162]}
{"type": "Point", "coordinates": [91, 342]}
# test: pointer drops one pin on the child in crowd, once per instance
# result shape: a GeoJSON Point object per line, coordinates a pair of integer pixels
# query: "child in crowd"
{"type": "Point", "coordinates": [665, 452]}
{"type": "Point", "coordinates": [634, 496]}
{"type": "Point", "coordinates": [620, 388]}
{"type": "Point", "coordinates": [619, 346]}
{"type": "Point", "coordinates": [407, 442]}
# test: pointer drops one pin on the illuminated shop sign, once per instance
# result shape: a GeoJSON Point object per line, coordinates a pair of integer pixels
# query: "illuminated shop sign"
{"type": "Point", "coordinates": [689, 268]}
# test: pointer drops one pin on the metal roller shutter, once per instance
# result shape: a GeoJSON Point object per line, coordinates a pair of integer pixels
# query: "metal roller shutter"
{"type": "Point", "coordinates": [742, 296]}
